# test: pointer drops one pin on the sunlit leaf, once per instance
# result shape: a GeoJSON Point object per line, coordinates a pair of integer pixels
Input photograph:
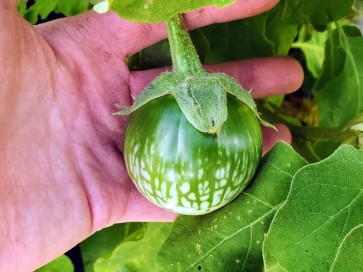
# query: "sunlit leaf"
{"type": "Point", "coordinates": [136, 256]}
{"type": "Point", "coordinates": [61, 264]}
{"type": "Point", "coordinates": [153, 11]}
{"type": "Point", "coordinates": [322, 208]}
{"type": "Point", "coordinates": [350, 252]}
{"type": "Point", "coordinates": [103, 243]}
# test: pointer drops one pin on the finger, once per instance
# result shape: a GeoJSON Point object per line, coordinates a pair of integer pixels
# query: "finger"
{"type": "Point", "coordinates": [264, 76]}
{"type": "Point", "coordinates": [139, 209]}
{"type": "Point", "coordinates": [126, 38]}
{"type": "Point", "coordinates": [271, 136]}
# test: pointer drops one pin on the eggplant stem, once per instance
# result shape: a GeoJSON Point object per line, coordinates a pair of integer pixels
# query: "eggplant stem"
{"type": "Point", "coordinates": [183, 53]}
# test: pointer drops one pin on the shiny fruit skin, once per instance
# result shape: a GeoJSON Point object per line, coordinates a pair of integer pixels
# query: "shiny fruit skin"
{"type": "Point", "coordinates": [183, 170]}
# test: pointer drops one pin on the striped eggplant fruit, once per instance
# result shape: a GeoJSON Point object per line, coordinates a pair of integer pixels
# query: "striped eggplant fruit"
{"type": "Point", "coordinates": [186, 171]}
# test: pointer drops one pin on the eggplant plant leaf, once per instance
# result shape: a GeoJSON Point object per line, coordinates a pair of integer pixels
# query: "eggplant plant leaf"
{"type": "Point", "coordinates": [318, 12]}
{"type": "Point", "coordinates": [311, 231]}
{"type": "Point", "coordinates": [349, 257]}
{"type": "Point", "coordinates": [103, 243]}
{"type": "Point", "coordinates": [61, 264]}
{"type": "Point", "coordinates": [242, 39]}
{"type": "Point", "coordinates": [340, 89]}
{"type": "Point", "coordinates": [231, 238]}
{"type": "Point", "coordinates": [264, 35]}
{"type": "Point", "coordinates": [155, 11]}
{"type": "Point", "coordinates": [140, 255]}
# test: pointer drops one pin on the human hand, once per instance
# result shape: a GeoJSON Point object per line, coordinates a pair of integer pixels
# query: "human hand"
{"type": "Point", "coordinates": [62, 173]}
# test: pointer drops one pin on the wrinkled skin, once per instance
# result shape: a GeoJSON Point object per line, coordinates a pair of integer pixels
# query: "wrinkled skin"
{"type": "Point", "coordinates": [62, 176]}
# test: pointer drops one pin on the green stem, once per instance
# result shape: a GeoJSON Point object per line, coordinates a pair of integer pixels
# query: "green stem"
{"type": "Point", "coordinates": [321, 133]}
{"type": "Point", "coordinates": [308, 133]}
{"type": "Point", "coordinates": [183, 54]}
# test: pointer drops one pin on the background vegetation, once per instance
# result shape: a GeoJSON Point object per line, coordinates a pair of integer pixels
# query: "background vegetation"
{"type": "Point", "coordinates": [324, 115]}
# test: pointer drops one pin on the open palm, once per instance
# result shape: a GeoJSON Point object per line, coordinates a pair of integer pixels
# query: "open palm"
{"type": "Point", "coordinates": [62, 173]}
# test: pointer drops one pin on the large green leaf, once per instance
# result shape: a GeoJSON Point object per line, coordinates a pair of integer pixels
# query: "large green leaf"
{"type": "Point", "coordinates": [335, 55]}
{"type": "Point", "coordinates": [61, 264]}
{"type": "Point", "coordinates": [318, 12]}
{"type": "Point", "coordinates": [231, 238]}
{"type": "Point", "coordinates": [103, 243]}
{"type": "Point", "coordinates": [263, 35]}
{"type": "Point", "coordinates": [322, 11]}
{"type": "Point", "coordinates": [136, 256]}
{"type": "Point", "coordinates": [241, 39]}
{"type": "Point", "coordinates": [151, 11]}
{"type": "Point", "coordinates": [323, 207]}
{"type": "Point", "coordinates": [340, 89]}
{"type": "Point", "coordinates": [154, 11]}
{"type": "Point", "coordinates": [267, 34]}
{"type": "Point", "coordinates": [349, 256]}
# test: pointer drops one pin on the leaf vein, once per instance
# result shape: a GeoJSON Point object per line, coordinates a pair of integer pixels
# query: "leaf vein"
{"type": "Point", "coordinates": [233, 234]}
{"type": "Point", "coordinates": [282, 171]}
{"type": "Point", "coordinates": [328, 221]}
{"type": "Point", "coordinates": [248, 251]}
{"type": "Point", "coordinates": [259, 200]}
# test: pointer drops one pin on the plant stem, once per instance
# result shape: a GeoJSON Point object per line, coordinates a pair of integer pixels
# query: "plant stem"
{"type": "Point", "coordinates": [321, 133]}
{"type": "Point", "coordinates": [183, 54]}
{"type": "Point", "coordinates": [308, 133]}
